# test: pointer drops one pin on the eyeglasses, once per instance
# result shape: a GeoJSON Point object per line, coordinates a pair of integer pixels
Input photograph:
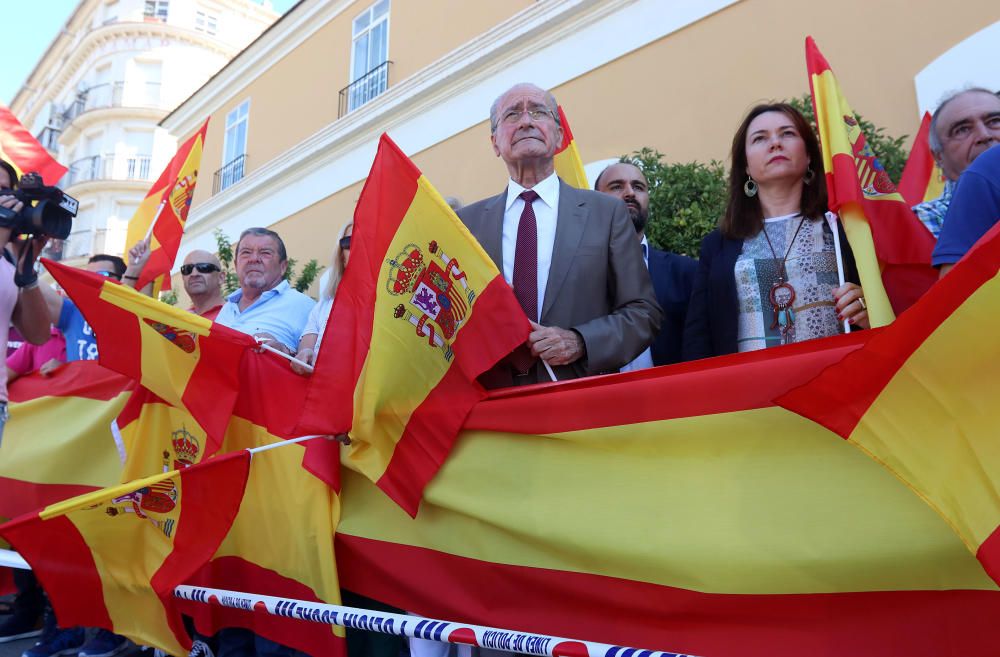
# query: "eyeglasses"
{"type": "Point", "coordinates": [345, 243]}
{"type": "Point", "coordinates": [109, 274]}
{"type": "Point", "coordinates": [202, 267]}
{"type": "Point", "coordinates": [514, 115]}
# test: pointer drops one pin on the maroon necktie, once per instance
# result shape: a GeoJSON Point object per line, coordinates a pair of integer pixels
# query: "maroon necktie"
{"type": "Point", "coordinates": [526, 258]}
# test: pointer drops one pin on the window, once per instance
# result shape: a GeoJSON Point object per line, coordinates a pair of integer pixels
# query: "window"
{"type": "Point", "coordinates": [369, 54]}
{"type": "Point", "coordinates": [206, 23]}
{"type": "Point", "coordinates": [110, 12]}
{"type": "Point", "coordinates": [156, 10]}
{"type": "Point", "coordinates": [234, 147]}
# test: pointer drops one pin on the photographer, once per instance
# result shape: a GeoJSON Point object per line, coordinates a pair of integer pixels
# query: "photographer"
{"type": "Point", "coordinates": [21, 301]}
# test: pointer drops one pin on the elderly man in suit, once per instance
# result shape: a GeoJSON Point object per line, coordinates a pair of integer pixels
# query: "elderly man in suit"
{"type": "Point", "coordinates": [672, 274]}
{"type": "Point", "coordinates": [570, 254]}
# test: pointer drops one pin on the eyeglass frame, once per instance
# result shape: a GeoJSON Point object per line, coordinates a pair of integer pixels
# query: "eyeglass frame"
{"type": "Point", "coordinates": [512, 116]}
{"type": "Point", "coordinates": [345, 242]}
{"type": "Point", "coordinates": [202, 267]}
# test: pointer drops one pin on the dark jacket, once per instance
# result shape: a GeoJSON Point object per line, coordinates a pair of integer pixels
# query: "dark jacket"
{"type": "Point", "coordinates": [714, 309]}
{"type": "Point", "coordinates": [673, 279]}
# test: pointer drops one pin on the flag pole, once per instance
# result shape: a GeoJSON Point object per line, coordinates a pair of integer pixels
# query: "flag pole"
{"type": "Point", "coordinates": [156, 216]}
{"type": "Point", "coordinates": [267, 347]}
{"type": "Point", "coordinates": [527, 643]}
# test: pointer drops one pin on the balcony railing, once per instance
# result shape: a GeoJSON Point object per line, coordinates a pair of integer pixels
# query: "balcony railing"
{"type": "Point", "coordinates": [364, 89]}
{"type": "Point", "coordinates": [107, 167]}
{"type": "Point", "coordinates": [49, 137]}
{"type": "Point", "coordinates": [230, 174]}
{"type": "Point", "coordinates": [113, 94]}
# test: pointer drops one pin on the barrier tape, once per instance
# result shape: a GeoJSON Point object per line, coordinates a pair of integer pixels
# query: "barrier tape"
{"type": "Point", "coordinates": [526, 643]}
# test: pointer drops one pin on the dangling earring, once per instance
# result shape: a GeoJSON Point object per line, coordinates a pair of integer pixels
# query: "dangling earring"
{"type": "Point", "coordinates": [750, 187]}
{"type": "Point", "coordinates": [809, 177]}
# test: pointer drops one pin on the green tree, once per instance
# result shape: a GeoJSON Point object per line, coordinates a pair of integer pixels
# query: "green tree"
{"type": "Point", "coordinates": [686, 200]}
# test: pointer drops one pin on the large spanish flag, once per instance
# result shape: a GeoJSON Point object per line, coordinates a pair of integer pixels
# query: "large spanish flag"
{"type": "Point", "coordinates": [20, 148]}
{"type": "Point", "coordinates": [57, 444]}
{"type": "Point", "coordinates": [892, 248]}
{"type": "Point", "coordinates": [112, 558]}
{"type": "Point", "coordinates": [166, 208]}
{"type": "Point", "coordinates": [567, 160]}
{"type": "Point", "coordinates": [187, 360]}
{"type": "Point", "coordinates": [421, 312]}
{"type": "Point", "coordinates": [921, 399]}
{"type": "Point", "coordinates": [677, 509]}
{"type": "Point", "coordinates": [922, 179]}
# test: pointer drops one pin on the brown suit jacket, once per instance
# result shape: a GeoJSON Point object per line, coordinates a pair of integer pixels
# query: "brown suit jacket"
{"type": "Point", "coordinates": [598, 284]}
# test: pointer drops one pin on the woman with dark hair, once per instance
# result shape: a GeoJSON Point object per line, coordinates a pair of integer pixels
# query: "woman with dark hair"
{"type": "Point", "coordinates": [774, 271]}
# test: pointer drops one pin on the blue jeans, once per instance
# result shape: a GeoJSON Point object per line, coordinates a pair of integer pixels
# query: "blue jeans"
{"type": "Point", "coordinates": [237, 642]}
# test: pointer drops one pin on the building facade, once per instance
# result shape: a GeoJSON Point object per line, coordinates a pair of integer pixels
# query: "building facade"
{"type": "Point", "coordinates": [305, 103]}
{"type": "Point", "coordinates": [97, 95]}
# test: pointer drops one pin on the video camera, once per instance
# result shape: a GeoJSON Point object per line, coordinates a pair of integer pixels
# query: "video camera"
{"type": "Point", "coordinates": [47, 210]}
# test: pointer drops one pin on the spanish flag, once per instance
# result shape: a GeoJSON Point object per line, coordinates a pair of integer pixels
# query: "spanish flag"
{"type": "Point", "coordinates": [679, 508]}
{"type": "Point", "coordinates": [187, 360]}
{"type": "Point", "coordinates": [166, 208]}
{"type": "Point", "coordinates": [921, 399]}
{"type": "Point", "coordinates": [20, 148]}
{"type": "Point", "coordinates": [567, 160]}
{"type": "Point", "coordinates": [892, 248]}
{"type": "Point", "coordinates": [58, 444]}
{"type": "Point", "coordinates": [112, 558]}
{"type": "Point", "coordinates": [922, 179]}
{"type": "Point", "coordinates": [421, 312]}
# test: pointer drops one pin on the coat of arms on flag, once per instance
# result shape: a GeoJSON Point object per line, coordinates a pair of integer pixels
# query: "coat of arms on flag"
{"type": "Point", "coordinates": [437, 305]}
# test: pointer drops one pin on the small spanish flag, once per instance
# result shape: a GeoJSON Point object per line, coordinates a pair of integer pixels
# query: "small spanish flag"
{"type": "Point", "coordinates": [21, 149]}
{"type": "Point", "coordinates": [920, 398]}
{"type": "Point", "coordinates": [112, 558]}
{"type": "Point", "coordinates": [187, 360]}
{"type": "Point", "coordinates": [891, 247]}
{"type": "Point", "coordinates": [421, 312]}
{"type": "Point", "coordinates": [567, 160]}
{"type": "Point", "coordinates": [166, 208]}
{"type": "Point", "coordinates": [922, 179]}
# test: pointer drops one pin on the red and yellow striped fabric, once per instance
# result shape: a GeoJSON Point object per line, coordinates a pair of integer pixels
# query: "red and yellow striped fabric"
{"type": "Point", "coordinates": [891, 247]}
{"type": "Point", "coordinates": [421, 312]}
{"type": "Point", "coordinates": [281, 541]}
{"type": "Point", "coordinates": [112, 558]}
{"type": "Point", "coordinates": [676, 509]}
{"type": "Point", "coordinates": [185, 359]}
{"type": "Point", "coordinates": [57, 443]}
{"type": "Point", "coordinates": [167, 203]}
{"type": "Point", "coordinates": [920, 399]}
{"type": "Point", "coordinates": [20, 148]}
{"type": "Point", "coordinates": [922, 179]}
{"type": "Point", "coordinates": [567, 160]}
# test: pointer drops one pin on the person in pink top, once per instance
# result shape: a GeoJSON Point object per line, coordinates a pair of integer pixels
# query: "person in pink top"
{"type": "Point", "coordinates": [42, 358]}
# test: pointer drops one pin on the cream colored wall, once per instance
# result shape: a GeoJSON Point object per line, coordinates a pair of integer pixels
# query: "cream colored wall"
{"type": "Point", "coordinates": [421, 32]}
{"type": "Point", "coordinates": [686, 94]}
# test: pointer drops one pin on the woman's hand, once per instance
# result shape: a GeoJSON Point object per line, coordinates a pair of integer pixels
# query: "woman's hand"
{"type": "Point", "coordinates": [306, 354]}
{"type": "Point", "coordinates": [850, 304]}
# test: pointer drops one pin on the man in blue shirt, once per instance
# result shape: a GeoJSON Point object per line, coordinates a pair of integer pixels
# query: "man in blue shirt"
{"type": "Point", "coordinates": [265, 306]}
{"type": "Point", "coordinates": [974, 209]}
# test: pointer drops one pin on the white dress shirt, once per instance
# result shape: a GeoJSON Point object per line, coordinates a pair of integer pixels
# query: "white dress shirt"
{"type": "Point", "coordinates": [645, 359]}
{"type": "Point", "coordinates": [546, 208]}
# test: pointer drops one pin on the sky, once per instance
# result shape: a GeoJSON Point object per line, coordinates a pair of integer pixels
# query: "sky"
{"type": "Point", "coordinates": [29, 31]}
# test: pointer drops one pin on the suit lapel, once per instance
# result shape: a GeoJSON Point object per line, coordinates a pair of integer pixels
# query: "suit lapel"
{"type": "Point", "coordinates": [571, 222]}
{"type": "Point", "coordinates": [491, 239]}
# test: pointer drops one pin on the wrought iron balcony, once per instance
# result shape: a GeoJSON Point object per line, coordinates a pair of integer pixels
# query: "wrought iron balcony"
{"type": "Point", "coordinates": [107, 167]}
{"type": "Point", "coordinates": [114, 94]}
{"type": "Point", "coordinates": [364, 89]}
{"type": "Point", "coordinates": [230, 174]}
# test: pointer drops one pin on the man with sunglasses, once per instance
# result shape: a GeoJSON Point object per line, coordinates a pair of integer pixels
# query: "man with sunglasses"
{"type": "Point", "coordinates": [80, 341]}
{"type": "Point", "coordinates": [203, 277]}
